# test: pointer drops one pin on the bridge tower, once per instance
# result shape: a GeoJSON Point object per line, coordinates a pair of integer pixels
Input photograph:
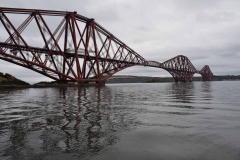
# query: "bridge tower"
{"type": "Point", "coordinates": [206, 73]}
{"type": "Point", "coordinates": [69, 47]}
{"type": "Point", "coordinates": [180, 68]}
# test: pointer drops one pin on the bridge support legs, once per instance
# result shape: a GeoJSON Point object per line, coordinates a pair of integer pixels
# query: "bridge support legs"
{"type": "Point", "coordinates": [176, 81]}
{"type": "Point", "coordinates": [207, 77]}
{"type": "Point", "coordinates": [99, 83]}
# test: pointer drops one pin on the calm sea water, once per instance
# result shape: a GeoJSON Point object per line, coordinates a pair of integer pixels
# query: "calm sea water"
{"type": "Point", "coordinates": [199, 120]}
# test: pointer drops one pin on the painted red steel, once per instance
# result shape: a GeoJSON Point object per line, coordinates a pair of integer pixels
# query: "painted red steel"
{"type": "Point", "coordinates": [206, 73]}
{"type": "Point", "coordinates": [77, 49]}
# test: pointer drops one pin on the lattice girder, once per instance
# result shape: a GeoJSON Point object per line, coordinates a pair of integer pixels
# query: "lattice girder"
{"type": "Point", "coordinates": [66, 46]}
{"type": "Point", "coordinates": [180, 68]}
{"type": "Point", "coordinates": [206, 73]}
{"type": "Point", "coordinates": [75, 48]}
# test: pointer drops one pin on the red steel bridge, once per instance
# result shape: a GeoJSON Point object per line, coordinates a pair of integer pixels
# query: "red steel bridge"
{"type": "Point", "coordinates": [68, 47]}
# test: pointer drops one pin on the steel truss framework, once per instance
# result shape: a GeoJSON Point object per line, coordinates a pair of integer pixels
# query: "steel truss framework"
{"type": "Point", "coordinates": [74, 48]}
{"type": "Point", "coordinates": [206, 73]}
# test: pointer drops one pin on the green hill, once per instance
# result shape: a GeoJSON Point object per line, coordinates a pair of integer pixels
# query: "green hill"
{"type": "Point", "coordinates": [145, 79]}
{"type": "Point", "coordinates": [8, 79]}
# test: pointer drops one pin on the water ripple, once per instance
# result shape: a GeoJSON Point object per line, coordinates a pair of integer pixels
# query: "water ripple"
{"type": "Point", "coordinates": [151, 120]}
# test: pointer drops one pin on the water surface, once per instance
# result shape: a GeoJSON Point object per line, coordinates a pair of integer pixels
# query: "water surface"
{"type": "Point", "coordinates": [199, 120]}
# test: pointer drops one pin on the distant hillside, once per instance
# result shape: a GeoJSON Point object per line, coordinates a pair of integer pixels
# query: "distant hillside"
{"type": "Point", "coordinates": [138, 79]}
{"type": "Point", "coordinates": [8, 79]}
{"type": "Point", "coordinates": [145, 79]}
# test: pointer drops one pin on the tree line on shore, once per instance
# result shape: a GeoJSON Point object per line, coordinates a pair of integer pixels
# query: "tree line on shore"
{"type": "Point", "coordinates": [144, 79]}
{"type": "Point", "coordinates": [8, 79]}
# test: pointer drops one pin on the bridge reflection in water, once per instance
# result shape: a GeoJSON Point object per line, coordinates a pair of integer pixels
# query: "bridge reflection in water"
{"type": "Point", "coordinates": [63, 120]}
{"type": "Point", "coordinates": [86, 121]}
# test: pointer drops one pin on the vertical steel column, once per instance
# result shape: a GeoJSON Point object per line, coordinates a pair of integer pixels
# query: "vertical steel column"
{"type": "Point", "coordinates": [96, 50]}
{"type": "Point", "coordinates": [75, 46]}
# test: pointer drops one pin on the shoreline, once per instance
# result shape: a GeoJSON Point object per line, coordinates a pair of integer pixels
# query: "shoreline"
{"type": "Point", "coordinates": [49, 85]}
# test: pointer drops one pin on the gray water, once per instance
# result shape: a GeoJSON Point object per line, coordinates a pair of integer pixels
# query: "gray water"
{"type": "Point", "coordinates": [199, 120]}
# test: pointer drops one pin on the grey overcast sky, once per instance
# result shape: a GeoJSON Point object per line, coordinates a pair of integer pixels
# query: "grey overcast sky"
{"type": "Point", "coordinates": [206, 31]}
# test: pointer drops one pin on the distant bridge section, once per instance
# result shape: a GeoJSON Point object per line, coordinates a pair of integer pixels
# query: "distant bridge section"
{"type": "Point", "coordinates": [69, 47]}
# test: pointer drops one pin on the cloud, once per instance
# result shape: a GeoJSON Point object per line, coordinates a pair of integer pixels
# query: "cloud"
{"type": "Point", "coordinates": [207, 32]}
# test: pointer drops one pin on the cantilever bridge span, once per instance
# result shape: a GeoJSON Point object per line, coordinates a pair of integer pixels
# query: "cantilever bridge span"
{"type": "Point", "coordinates": [68, 47]}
